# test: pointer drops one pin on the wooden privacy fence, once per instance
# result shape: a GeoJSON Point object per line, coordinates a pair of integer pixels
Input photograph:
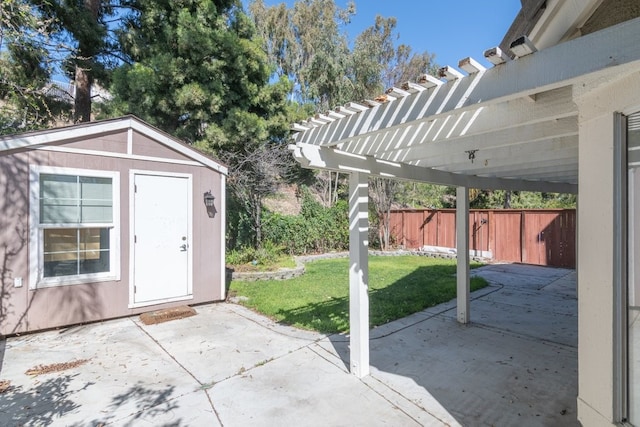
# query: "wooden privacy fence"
{"type": "Point", "coordinates": [543, 237]}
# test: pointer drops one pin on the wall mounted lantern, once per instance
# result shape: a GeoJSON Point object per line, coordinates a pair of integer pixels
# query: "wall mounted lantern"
{"type": "Point", "coordinates": [209, 203]}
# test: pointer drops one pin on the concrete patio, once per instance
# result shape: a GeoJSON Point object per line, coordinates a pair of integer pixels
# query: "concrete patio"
{"type": "Point", "coordinates": [515, 364]}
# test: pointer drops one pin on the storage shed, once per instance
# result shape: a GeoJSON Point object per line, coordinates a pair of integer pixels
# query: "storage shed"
{"type": "Point", "coordinates": [106, 219]}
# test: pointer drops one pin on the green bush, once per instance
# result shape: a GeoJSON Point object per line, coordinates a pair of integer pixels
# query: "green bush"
{"type": "Point", "coordinates": [268, 254]}
{"type": "Point", "coordinates": [316, 229]}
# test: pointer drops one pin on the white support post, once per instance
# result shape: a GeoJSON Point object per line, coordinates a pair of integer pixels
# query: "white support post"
{"type": "Point", "coordinates": [462, 249]}
{"type": "Point", "coordinates": [359, 274]}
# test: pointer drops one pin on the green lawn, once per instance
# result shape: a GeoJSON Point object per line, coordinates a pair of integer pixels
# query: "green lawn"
{"type": "Point", "coordinates": [319, 299]}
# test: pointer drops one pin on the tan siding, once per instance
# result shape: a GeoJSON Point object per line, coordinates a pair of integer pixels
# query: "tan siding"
{"type": "Point", "coordinates": [14, 229]}
{"type": "Point", "coordinates": [144, 146]}
{"type": "Point", "coordinates": [113, 143]}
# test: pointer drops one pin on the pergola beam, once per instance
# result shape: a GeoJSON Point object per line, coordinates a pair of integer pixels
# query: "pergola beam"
{"type": "Point", "coordinates": [516, 155]}
{"type": "Point", "coordinates": [316, 157]}
{"type": "Point", "coordinates": [534, 168]}
{"type": "Point", "coordinates": [503, 138]}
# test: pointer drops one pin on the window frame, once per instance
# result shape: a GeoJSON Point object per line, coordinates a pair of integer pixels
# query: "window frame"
{"type": "Point", "coordinates": [36, 230]}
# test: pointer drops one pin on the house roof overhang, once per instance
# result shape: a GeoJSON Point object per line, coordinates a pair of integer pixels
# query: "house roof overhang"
{"type": "Point", "coordinates": [513, 126]}
{"type": "Point", "coordinates": [92, 129]}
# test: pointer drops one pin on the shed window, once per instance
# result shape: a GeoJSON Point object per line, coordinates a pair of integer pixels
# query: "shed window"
{"type": "Point", "coordinates": [76, 226]}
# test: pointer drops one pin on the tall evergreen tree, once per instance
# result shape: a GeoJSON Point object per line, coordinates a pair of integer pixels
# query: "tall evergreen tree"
{"type": "Point", "coordinates": [195, 70]}
{"type": "Point", "coordinates": [79, 30]}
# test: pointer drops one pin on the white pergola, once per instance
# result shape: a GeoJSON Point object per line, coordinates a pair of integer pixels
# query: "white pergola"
{"type": "Point", "coordinates": [514, 126]}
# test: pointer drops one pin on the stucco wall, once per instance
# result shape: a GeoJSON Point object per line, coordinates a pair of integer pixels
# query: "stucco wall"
{"type": "Point", "coordinates": [24, 309]}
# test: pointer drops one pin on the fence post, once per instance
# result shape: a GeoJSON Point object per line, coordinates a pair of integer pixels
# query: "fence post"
{"type": "Point", "coordinates": [523, 244]}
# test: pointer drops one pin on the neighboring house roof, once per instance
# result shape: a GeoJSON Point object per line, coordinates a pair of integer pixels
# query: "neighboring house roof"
{"type": "Point", "coordinates": [512, 126]}
{"type": "Point", "coordinates": [90, 129]}
{"type": "Point", "coordinates": [66, 91]}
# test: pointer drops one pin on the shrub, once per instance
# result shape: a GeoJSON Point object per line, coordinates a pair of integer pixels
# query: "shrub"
{"type": "Point", "coordinates": [316, 229]}
{"type": "Point", "coordinates": [268, 254]}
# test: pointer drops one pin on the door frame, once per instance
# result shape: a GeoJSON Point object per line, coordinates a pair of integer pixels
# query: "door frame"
{"type": "Point", "coordinates": [132, 255]}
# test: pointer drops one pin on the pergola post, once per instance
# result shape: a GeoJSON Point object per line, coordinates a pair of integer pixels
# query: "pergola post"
{"type": "Point", "coordinates": [359, 274]}
{"type": "Point", "coordinates": [462, 249]}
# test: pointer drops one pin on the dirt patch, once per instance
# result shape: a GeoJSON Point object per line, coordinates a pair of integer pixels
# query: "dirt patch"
{"type": "Point", "coordinates": [160, 316]}
{"type": "Point", "coordinates": [5, 385]}
{"type": "Point", "coordinates": [285, 201]}
{"type": "Point", "coordinates": [55, 367]}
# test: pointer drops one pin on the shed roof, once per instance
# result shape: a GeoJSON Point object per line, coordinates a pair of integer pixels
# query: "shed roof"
{"type": "Point", "coordinates": [513, 126]}
{"type": "Point", "coordinates": [92, 129]}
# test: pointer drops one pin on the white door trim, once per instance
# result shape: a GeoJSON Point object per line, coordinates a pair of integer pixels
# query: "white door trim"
{"type": "Point", "coordinates": [189, 177]}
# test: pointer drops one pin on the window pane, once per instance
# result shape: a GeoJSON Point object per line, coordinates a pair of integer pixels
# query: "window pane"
{"type": "Point", "coordinates": [96, 204]}
{"type": "Point", "coordinates": [58, 186]}
{"type": "Point", "coordinates": [69, 252]}
{"type": "Point", "coordinates": [58, 211]}
{"type": "Point", "coordinates": [94, 250]}
{"type": "Point", "coordinates": [75, 199]}
{"type": "Point", "coordinates": [58, 199]}
{"type": "Point", "coordinates": [60, 252]}
{"type": "Point", "coordinates": [93, 211]}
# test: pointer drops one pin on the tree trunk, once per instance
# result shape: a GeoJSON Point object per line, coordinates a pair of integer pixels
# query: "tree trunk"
{"type": "Point", "coordinates": [82, 102]}
{"type": "Point", "coordinates": [257, 220]}
{"type": "Point", "coordinates": [387, 228]}
{"type": "Point", "coordinates": [507, 199]}
{"type": "Point", "coordinates": [83, 77]}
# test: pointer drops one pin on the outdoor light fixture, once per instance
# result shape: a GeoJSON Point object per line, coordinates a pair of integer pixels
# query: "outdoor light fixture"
{"type": "Point", "coordinates": [208, 199]}
{"type": "Point", "coordinates": [208, 202]}
{"type": "Point", "coordinates": [472, 154]}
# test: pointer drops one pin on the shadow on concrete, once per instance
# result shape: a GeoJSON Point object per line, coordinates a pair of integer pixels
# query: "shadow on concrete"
{"type": "Point", "coordinates": [498, 370]}
{"type": "Point", "coordinates": [147, 404]}
{"type": "Point", "coordinates": [40, 405]}
{"type": "Point", "coordinates": [52, 399]}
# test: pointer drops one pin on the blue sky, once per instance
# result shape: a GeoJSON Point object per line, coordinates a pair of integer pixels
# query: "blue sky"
{"type": "Point", "coordinates": [452, 30]}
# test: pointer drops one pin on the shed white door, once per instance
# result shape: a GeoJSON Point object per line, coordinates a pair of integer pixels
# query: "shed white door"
{"type": "Point", "coordinates": [161, 238]}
